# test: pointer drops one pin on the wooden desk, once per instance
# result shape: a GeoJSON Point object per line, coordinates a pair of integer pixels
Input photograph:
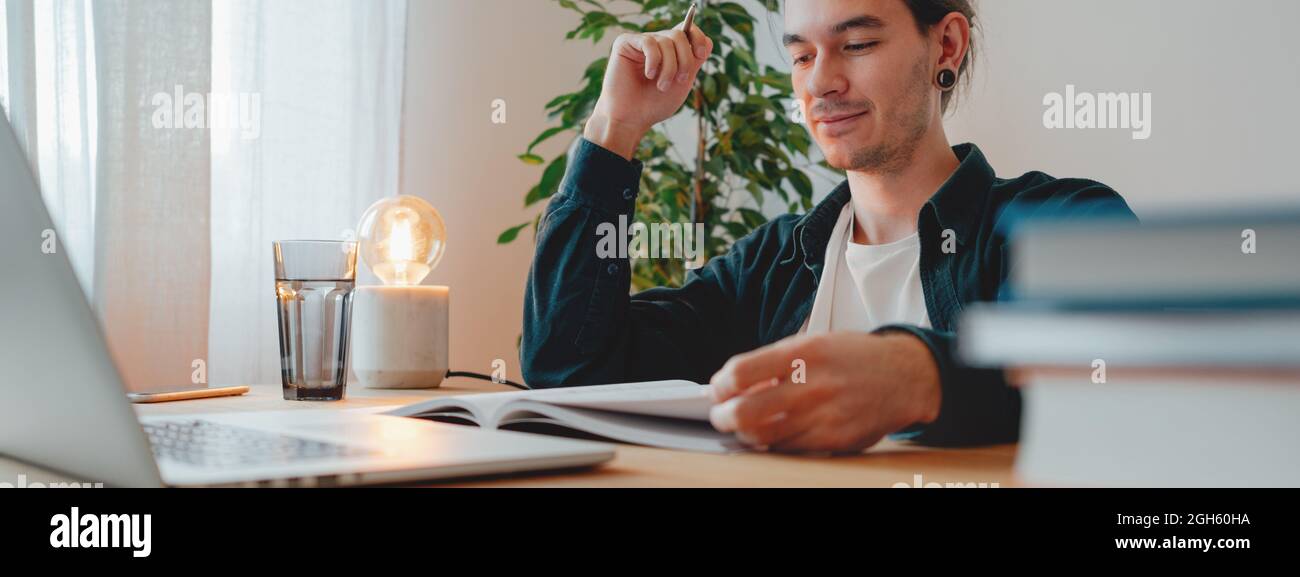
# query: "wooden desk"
{"type": "Point", "coordinates": [883, 466]}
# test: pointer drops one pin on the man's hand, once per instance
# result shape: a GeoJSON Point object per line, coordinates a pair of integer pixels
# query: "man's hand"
{"type": "Point", "coordinates": [646, 82]}
{"type": "Point", "coordinates": [858, 389]}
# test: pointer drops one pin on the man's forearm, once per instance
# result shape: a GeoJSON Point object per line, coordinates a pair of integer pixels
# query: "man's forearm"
{"type": "Point", "coordinates": [621, 139]}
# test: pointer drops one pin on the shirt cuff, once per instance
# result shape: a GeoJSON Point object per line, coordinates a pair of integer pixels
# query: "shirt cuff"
{"type": "Point", "coordinates": [602, 179]}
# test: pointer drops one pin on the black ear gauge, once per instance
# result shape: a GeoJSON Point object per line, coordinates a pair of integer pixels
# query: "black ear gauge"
{"type": "Point", "coordinates": [947, 79]}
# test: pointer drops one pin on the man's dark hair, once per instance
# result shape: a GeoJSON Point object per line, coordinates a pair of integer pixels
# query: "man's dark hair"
{"type": "Point", "coordinates": [928, 13]}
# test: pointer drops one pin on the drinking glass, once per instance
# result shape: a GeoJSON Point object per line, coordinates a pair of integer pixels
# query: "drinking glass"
{"type": "Point", "coordinates": [314, 284]}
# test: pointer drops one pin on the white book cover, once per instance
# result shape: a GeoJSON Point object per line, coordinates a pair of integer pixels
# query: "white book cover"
{"type": "Point", "coordinates": [1154, 432]}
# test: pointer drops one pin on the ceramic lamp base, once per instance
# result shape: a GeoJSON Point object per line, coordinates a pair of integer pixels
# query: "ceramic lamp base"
{"type": "Point", "coordinates": [399, 336]}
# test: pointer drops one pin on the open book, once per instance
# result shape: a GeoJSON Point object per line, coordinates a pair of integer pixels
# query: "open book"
{"type": "Point", "coordinates": [664, 414]}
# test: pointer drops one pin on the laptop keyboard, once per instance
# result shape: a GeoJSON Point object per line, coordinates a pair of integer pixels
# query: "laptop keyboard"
{"type": "Point", "coordinates": [208, 444]}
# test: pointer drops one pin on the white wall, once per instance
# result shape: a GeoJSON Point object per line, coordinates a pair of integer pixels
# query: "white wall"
{"type": "Point", "coordinates": [461, 56]}
{"type": "Point", "coordinates": [1224, 79]}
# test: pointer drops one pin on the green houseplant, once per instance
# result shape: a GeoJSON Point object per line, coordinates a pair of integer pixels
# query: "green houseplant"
{"type": "Point", "coordinates": [748, 142]}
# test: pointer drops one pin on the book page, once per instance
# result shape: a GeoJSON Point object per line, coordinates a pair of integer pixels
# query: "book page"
{"type": "Point", "coordinates": [676, 399]}
{"type": "Point", "coordinates": [689, 401]}
{"type": "Point", "coordinates": [661, 432]}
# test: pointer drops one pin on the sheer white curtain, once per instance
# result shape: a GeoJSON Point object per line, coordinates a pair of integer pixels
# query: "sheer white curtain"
{"type": "Point", "coordinates": [152, 189]}
{"type": "Point", "coordinates": [54, 38]}
{"type": "Point", "coordinates": [329, 76]}
{"type": "Point", "coordinates": [169, 227]}
{"type": "Point", "coordinates": [133, 220]}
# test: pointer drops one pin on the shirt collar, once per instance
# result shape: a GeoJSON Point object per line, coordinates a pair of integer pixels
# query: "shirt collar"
{"type": "Point", "coordinates": [956, 206]}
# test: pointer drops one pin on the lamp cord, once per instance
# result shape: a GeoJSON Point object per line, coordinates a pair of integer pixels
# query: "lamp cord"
{"type": "Point", "coordinates": [483, 377]}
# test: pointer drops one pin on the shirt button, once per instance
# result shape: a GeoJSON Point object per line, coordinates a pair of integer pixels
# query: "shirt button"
{"type": "Point", "coordinates": [612, 269]}
{"type": "Point", "coordinates": [629, 194]}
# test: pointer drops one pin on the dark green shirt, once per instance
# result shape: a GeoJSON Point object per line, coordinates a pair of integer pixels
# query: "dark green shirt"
{"type": "Point", "coordinates": [581, 327]}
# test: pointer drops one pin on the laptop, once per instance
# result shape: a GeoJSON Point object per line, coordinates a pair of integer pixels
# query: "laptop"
{"type": "Point", "coordinates": [63, 406]}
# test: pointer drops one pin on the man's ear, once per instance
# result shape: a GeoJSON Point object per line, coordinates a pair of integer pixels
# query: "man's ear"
{"type": "Point", "coordinates": [952, 36]}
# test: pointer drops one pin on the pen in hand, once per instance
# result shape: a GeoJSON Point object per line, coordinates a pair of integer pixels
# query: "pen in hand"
{"type": "Point", "coordinates": [690, 21]}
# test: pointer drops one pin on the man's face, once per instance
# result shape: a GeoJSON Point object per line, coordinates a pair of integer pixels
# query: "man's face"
{"type": "Point", "coordinates": [862, 71]}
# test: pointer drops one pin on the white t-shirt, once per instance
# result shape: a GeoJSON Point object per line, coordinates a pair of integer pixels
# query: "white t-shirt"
{"type": "Point", "coordinates": [865, 287]}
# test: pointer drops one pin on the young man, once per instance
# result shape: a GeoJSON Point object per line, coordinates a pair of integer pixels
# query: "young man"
{"type": "Point", "coordinates": [825, 332]}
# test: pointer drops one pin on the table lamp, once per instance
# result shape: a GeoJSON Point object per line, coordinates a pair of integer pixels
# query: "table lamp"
{"type": "Point", "coordinates": [399, 330]}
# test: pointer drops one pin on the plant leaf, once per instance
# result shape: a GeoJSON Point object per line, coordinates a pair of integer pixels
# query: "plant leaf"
{"type": "Point", "coordinates": [512, 233]}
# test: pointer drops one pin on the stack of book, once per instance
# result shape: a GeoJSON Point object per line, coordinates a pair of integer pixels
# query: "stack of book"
{"type": "Point", "coordinates": [1164, 354]}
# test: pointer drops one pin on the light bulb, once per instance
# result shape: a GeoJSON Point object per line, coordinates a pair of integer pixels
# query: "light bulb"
{"type": "Point", "coordinates": [402, 240]}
